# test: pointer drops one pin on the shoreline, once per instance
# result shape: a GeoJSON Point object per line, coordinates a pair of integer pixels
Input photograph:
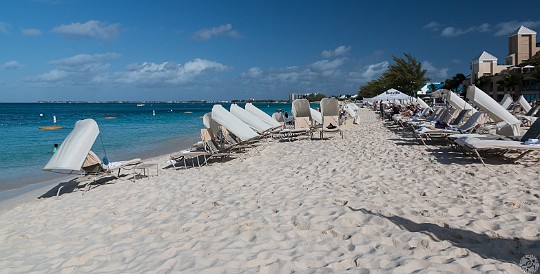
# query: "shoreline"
{"type": "Point", "coordinates": [12, 197]}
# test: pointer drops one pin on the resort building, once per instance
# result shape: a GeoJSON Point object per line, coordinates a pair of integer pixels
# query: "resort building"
{"type": "Point", "coordinates": [521, 46]}
{"type": "Point", "coordinates": [294, 96]}
{"type": "Point", "coordinates": [488, 75]}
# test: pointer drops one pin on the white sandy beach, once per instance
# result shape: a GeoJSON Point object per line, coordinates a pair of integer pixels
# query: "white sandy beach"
{"type": "Point", "coordinates": [374, 202]}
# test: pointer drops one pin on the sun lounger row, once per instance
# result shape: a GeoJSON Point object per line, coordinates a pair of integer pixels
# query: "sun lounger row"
{"type": "Point", "coordinates": [462, 131]}
{"type": "Point", "coordinates": [228, 132]}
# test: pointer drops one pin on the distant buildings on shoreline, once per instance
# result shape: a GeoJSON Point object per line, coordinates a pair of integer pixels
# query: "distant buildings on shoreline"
{"type": "Point", "coordinates": [488, 75]}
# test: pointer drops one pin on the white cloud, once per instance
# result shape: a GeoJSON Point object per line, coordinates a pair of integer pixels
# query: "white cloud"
{"type": "Point", "coordinates": [31, 32]}
{"type": "Point", "coordinates": [291, 74]}
{"type": "Point", "coordinates": [4, 27]}
{"type": "Point", "coordinates": [83, 59]}
{"type": "Point", "coordinates": [88, 69]}
{"type": "Point", "coordinates": [170, 73]}
{"type": "Point", "coordinates": [453, 32]}
{"type": "Point", "coordinates": [501, 29]}
{"type": "Point", "coordinates": [81, 69]}
{"type": "Point", "coordinates": [11, 65]}
{"type": "Point", "coordinates": [54, 75]}
{"type": "Point", "coordinates": [303, 75]}
{"type": "Point", "coordinates": [209, 33]}
{"type": "Point", "coordinates": [450, 31]}
{"type": "Point", "coordinates": [433, 26]}
{"type": "Point", "coordinates": [339, 51]}
{"type": "Point", "coordinates": [326, 67]}
{"type": "Point", "coordinates": [91, 29]}
{"type": "Point", "coordinates": [505, 28]}
{"type": "Point", "coordinates": [253, 72]}
{"type": "Point", "coordinates": [374, 70]}
{"type": "Point", "coordinates": [438, 74]}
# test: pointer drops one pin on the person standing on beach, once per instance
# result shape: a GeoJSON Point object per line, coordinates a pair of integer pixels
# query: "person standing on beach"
{"type": "Point", "coordinates": [54, 149]}
{"type": "Point", "coordinates": [381, 109]}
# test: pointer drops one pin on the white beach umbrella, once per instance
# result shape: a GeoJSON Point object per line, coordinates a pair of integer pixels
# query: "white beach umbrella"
{"type": "Point", "coordinates": [506, 101]}
{"type": "Point", "coordinates": [422, 103]}
{"type": "Point", "coordinates": [494, 110]}
{"type": "Point", "coordinates": [210, 123]}
{"type": "Point", "coordinates": [316, 115]}
{"type": "Point", "coordinates": [248, 118]}
{"type": "Point", "coordinates": [524, 104]}
{"type": "Point", "coordinates": [72, 152]}
{"type": "Point", "coordinates": [458, 103]}
{"type": "Point", "coordinates": [351, 109]}
{"type": "Point", "coordinates": [232, 123]}
{"type": "Point", "coordinates": [262, 115]}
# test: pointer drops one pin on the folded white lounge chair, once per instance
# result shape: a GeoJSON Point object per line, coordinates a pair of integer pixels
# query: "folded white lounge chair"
{"type": "Point", "coordinates": [506, 101]}
{"type": "Point", "coordinates": [74, 155]}
{"type": "Point", "coordinates": [233, 124]}
{"type": "Point", "coordinates": [262, 116]}
{"type": "Point", "coordinates": [352, 109]}
{"type": "Point", "coordinates": [458, 103]}
{"type": "Point", "coordinates": [525, 106]}
{"type": "Point", "coordinates": [251, 120]}
{"type": "Point", "coordinates": [316, 117]}
{"type": "Point", "coordinates": [508, 123]}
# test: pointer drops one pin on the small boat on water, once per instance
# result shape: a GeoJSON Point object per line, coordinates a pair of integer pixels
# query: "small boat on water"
{"type": "Point", "coordinates": [188, 112]}
{"type": "Point", "coordinates": [50, 127]}
{"type": "Point", "coordinates": [140, 105]}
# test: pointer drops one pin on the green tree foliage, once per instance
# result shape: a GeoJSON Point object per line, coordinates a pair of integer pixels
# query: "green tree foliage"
{"type": "Point", "coordinates": [535, 74]}
{"type": "Point", "coordinates": [406, 75]}
{"type": "Point", "coordinates": [315, 97]}
{"type": "Point", "coordinates": [482, 82]}
{"type": "Point", "coordinates": [432, 86]}
{"type": "Point", "coordinates": [454, 82]}
{"type": "Point", "coordinates": [510, 80]}
{"type": "Point", "coordinates": [534, 61]}
{"type": "Point", "coordinates": [374, 88]}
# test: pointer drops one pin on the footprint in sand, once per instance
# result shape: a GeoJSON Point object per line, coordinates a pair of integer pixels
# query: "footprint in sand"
{"type": "Point", "coordinates": [121, 229]}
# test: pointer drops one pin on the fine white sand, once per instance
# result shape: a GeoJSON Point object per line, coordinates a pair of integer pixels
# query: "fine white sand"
{"type": "Point", "coordinates": [374, 202]}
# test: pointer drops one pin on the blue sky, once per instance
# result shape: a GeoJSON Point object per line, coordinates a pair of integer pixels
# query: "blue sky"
{"type": "Point", "coordinates": [220, 50]}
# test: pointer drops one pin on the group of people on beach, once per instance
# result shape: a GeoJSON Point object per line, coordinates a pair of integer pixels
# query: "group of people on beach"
{"type": "Point", "coordinates": [390, 109]}
{"type": "Point", "coordinates": [282, 116]}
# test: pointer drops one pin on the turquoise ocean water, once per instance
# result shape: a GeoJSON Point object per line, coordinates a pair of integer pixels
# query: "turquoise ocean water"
{"type": "Point", "coordinates": [126, 131]}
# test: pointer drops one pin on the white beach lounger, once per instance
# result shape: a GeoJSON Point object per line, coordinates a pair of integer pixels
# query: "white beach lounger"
{"type": "Point", "coordinates": [74, 155]}
{"type": "Point", "coordinates": [330, 116]}
{"type": "Point", "coordinates": [473, 122]}
{"type": "Point", "coordinates": [488, 143]}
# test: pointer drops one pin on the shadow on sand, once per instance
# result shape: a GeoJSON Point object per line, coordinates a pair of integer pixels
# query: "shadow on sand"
{"type": "Point", "coordinates": [76, 185]}
{"type": "Point", "coordinates": [504, 250]}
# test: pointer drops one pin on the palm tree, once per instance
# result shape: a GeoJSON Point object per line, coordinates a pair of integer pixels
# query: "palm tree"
{"type": "Point", "coordinates": [482, 82]}
{"type": "Point", "coordinates": [510, 81]}
{"type": "Point", "coordinates": [406, 75]}
{"type": "Point", "coordinates": [433, 87]}
{"type": "Point", "coordinates": [535, 74]}
{"type": "Point", "coordinates": [454, 83]}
